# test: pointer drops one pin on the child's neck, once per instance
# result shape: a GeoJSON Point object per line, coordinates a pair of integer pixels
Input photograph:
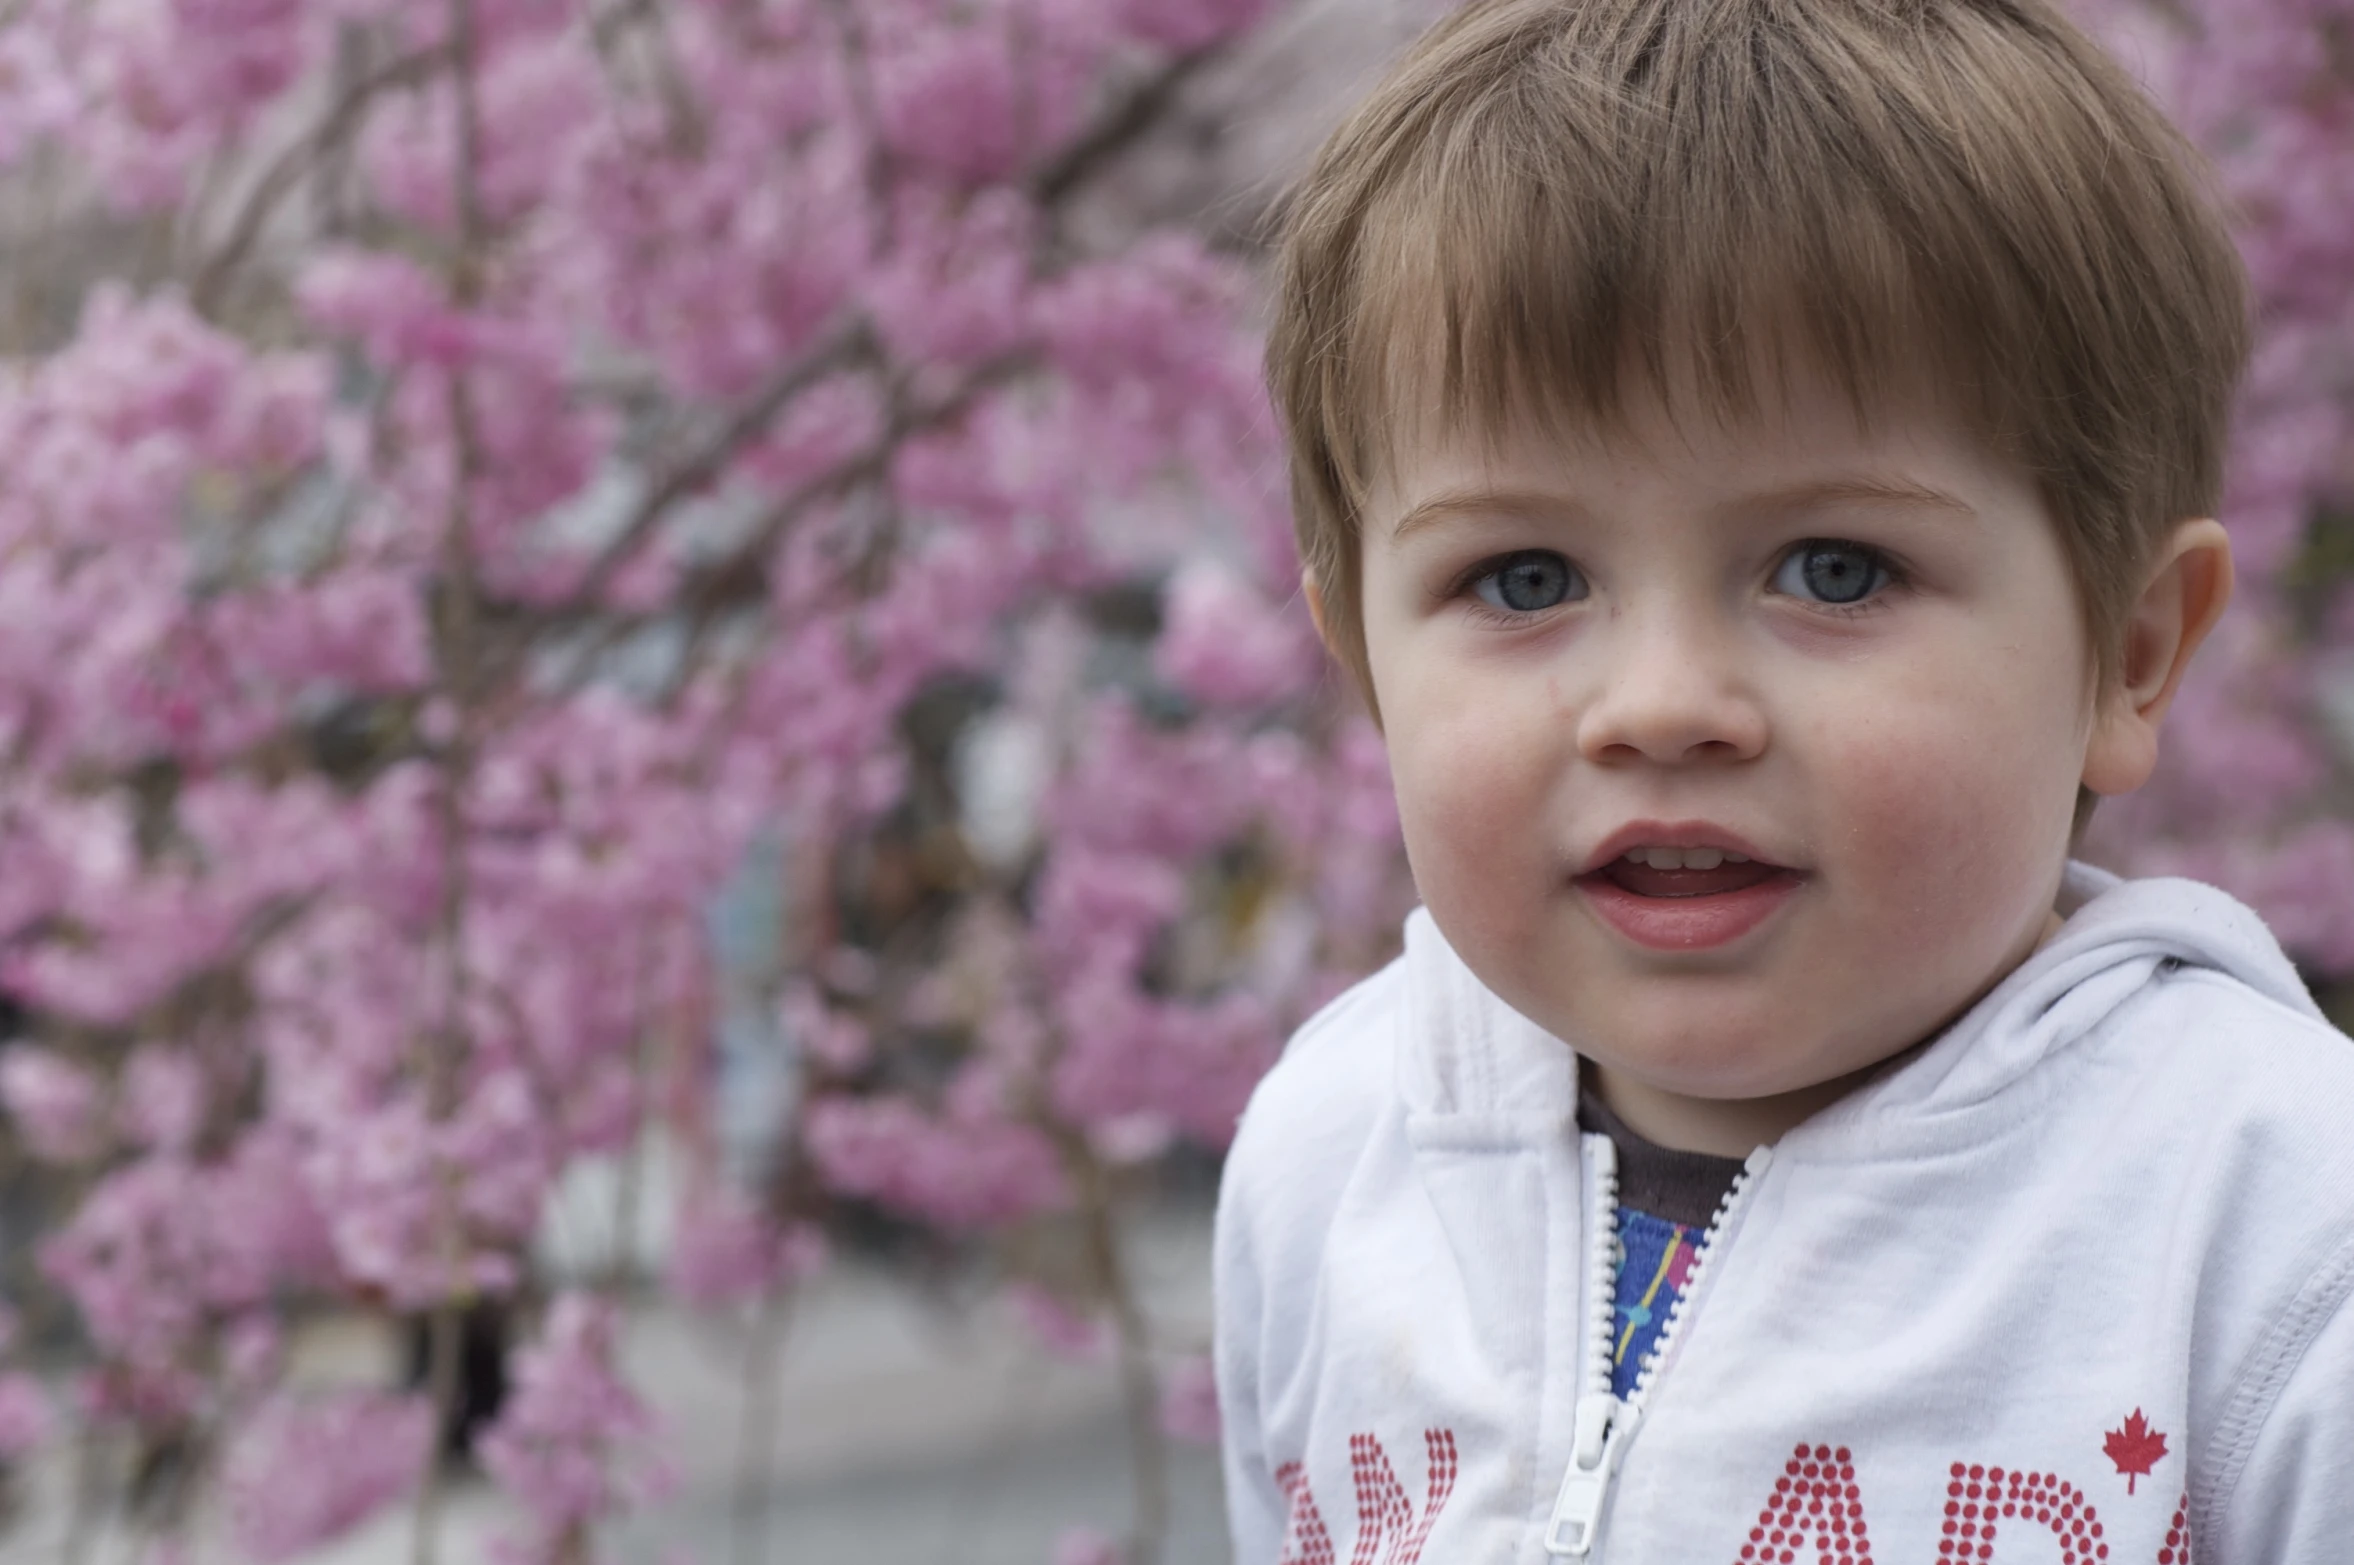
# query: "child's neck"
{"type": "Point", "coordinates": [1720, 1127]}
{"type": "Point", "coordinates": [1735, 1127]}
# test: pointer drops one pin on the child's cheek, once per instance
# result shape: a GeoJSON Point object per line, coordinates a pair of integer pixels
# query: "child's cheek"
{"type": "Point", "coordinates": [1954, 829]}
{"type": "Point", "coordinates": [1475, 815]}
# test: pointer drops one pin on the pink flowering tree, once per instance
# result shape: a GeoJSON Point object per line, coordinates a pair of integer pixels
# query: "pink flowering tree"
{"type": "Point", "coordinates": [2257, 787]}
{"type": "Point", "coordinates": [475, 474]}
{"type": "Point", "coordinates": [490, 466]}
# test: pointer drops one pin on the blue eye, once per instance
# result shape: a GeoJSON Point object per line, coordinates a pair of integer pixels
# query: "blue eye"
{"type": "Point", "coordinates": [1529, 582]}
{"type": "Point", "coordinates": [1828, 571]}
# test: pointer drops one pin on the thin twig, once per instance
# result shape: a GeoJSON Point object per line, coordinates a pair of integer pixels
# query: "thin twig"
{"type": "Point", "coordinates": [444, 1340]}
{"type": "Point", "coordinates": [188, 224]}
{"type": "Point", "coordinates": [606, 24]}
{"type": "Point", "coordinates": [1148, 1444]}
{"type": "Point", "coordinates": [75, 1548]}
{"type": "Point", "coordinates": [756, 1432]}
{"type": "Point", "coordinates": [1118, 130]}
{"type": "Point", "coordinates": [689, 125]}
{"type": "Point", "coordinates": [458, 672]}
{"type": "Point", "coordinates": [865, 466]}
{"type": "Point", "coordinates": [340, 120]}
{"type": "Point", "coordinates": [629, 1186]}
{"type": "Point", "coordinates": [461, 609]}
{"type": "Point", "coordinates": [882, 166]}
{"type": "Point", "coordinates": [851, 340]}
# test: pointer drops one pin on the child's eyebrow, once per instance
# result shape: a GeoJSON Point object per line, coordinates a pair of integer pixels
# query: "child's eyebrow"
{"type": "Point", "coordinates": [1459, 505]}
{"type": "Point", "coordinates": [1854, 489]}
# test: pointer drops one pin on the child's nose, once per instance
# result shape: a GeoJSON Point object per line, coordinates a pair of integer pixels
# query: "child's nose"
{"type": "Point", "coordinates": [1672, 687]}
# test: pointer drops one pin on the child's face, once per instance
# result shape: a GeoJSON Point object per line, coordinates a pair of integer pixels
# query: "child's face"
{"type": "Point", "coordinates": [1859, 662]}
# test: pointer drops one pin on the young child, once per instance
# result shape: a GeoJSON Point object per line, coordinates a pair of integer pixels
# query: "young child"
{"type": "Point", "coordinates": [1756, 457]}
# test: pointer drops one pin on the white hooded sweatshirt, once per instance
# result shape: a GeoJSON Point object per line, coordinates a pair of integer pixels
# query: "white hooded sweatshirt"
{"type": "Point", "coordinates": [2068, 1285]}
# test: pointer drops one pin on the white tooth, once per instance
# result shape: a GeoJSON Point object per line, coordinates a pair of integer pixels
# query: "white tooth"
{"type": "Point", "coordinates": [1664, 858]}
{"type": "Point", "coordinates": [1736, 858]}
{"type": "Point", "coordinates": [1703, 858]}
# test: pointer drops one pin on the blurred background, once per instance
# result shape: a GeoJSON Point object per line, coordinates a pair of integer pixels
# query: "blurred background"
{"type": "Point", "coordinates": [664, 781]}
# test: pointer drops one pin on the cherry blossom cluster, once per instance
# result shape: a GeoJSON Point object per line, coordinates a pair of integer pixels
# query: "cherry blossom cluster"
{"type": "Point", "coordinates": [562, 1442]}
{"type": "Point", "coordinates": [542, 451]}
{"type": "Point", "coordinates": [2256, 790]}
{"type": "Point", "coordinates": [560, 447]}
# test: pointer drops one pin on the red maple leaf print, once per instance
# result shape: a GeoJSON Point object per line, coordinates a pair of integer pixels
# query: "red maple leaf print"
{"type": "Point", "coordinates": [2135, 1448]}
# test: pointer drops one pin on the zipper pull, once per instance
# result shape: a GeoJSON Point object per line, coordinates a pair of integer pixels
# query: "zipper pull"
{"type": "Point", "coordinates": [1600, 1434]}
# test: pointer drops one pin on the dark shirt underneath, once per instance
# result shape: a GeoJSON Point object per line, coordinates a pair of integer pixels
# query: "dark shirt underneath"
{"type": "Point", "coordinates": [1683, 1187]}
{"type": "Point", "coordinates": [1666, 1200]}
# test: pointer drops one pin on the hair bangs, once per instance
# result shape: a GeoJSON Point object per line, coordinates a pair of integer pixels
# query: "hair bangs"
{"type": "Point", "coordinates": [1553, 208]}
{"type": "Point", "coordinates": [1488, 301]}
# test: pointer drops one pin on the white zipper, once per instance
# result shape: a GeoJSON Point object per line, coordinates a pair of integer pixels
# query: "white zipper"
{"type": "Point", "coordinates": [1606, 1422]}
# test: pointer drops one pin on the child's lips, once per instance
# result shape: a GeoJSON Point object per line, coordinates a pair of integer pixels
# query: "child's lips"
{"type": "Point", "coordinates": [1641, 838]}
{"type": "Point", "coordinates": [1686, 909]}
{"type": "Point", "coordinates": [1645, 881]}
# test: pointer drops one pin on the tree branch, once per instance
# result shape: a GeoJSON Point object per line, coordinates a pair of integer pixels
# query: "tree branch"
{"type": "Point", "coordinates": [1118, 130]}
{"type": "Point", "coordinates": [341, 119]}
{"type": "Point", "coordinates": [1148, 1446]}
{"type": "Point", "coordinates": [458, 670]}
{"type": "Point", "coordinates": [847, 343]}
{"type": "Point", "coordinates": [712, 588]}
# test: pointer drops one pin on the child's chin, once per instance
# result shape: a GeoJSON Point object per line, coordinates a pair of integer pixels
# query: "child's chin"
{"type": "Point", "coordinates": [1716, 1072]}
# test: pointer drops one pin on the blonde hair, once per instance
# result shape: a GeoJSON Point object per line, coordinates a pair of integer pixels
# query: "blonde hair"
{"type": "Point", "coordinates": [1548, 204]}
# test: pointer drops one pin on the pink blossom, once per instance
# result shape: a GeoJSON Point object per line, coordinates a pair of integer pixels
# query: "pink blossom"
{"type": "Point", "coordinates": [37, 94]}
{"type": "Point", "coordinates": [1187, 1066]}
{"type": "Point", "coordinates": [978, 98]}
{"type": "Point", "coordinates": [956, 289]}
{"type": "Point", "coordinates": [1086, 1546]}
{"type": "Point", "coordinates": [389, 1182]}
{"type": "Point", "coordinates": [1224, 643]}
{"type": "Point", "coordinates": [306, 1471]}
{"type": "Point", "coordinates": [832, 1039]}
{"type": "Point", "coordinates": [1104, 907]}
{"type": "Point", "coordinates": [56, 1103]}
{"type": "Point", "coordinates": [970, 1167]}
{"type": "Point", "coordinates": [164, 1095]}
{"type": "Point", "coordinates": [388, 304]}
{"type": "Point", "coordinates": [2248, 766]}
{"type": "Point", "coordinates": [253, 1352]}
{"type": "Point", "coordinates": [162, 1246]}
{"type": "Point", "coordinates": [171, 78]}
{"type": "Point", "coordinates": [570, 1442]}
{"type": "Point", "coordinates": [379, 848]}
{"type": "Point", "coordinates": [1156, 321]}
{"type": "Point", "coordinates": [947, 96]}
{"type": "Point", "coordinates": [1188, 24]}
{"type": "Point", "coordinates": [539, 104]}
{"type": "Point", "coordinates": [1057, 1326]}
{"type": "Point", "coordinates": [724, 1251]}
{"type": "Point", "coordinates": [26, 1416]}
{"type": "Point", "coordinates": [402, 635]}
{"type": "Point", "coordinates": [1189, 1400]}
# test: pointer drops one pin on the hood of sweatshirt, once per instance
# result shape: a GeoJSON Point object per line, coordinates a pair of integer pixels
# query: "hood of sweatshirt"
{"type": "Point", "coordinates": [2111, 1202]}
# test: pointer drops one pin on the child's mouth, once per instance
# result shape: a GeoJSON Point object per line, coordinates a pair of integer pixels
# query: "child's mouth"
{"type": "Point", "coordinates": [1701, 873]}
{"type": "Point", "coordinates": [1687, 899]}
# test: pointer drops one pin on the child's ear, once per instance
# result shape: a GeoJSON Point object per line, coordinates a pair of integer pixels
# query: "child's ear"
{"type": "Point", "coordinates": [1359, 679]}
{"type": "Point", "coordinates": [2180, 602]}
{"type": "Point", "coordinates": [1315, 596]}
